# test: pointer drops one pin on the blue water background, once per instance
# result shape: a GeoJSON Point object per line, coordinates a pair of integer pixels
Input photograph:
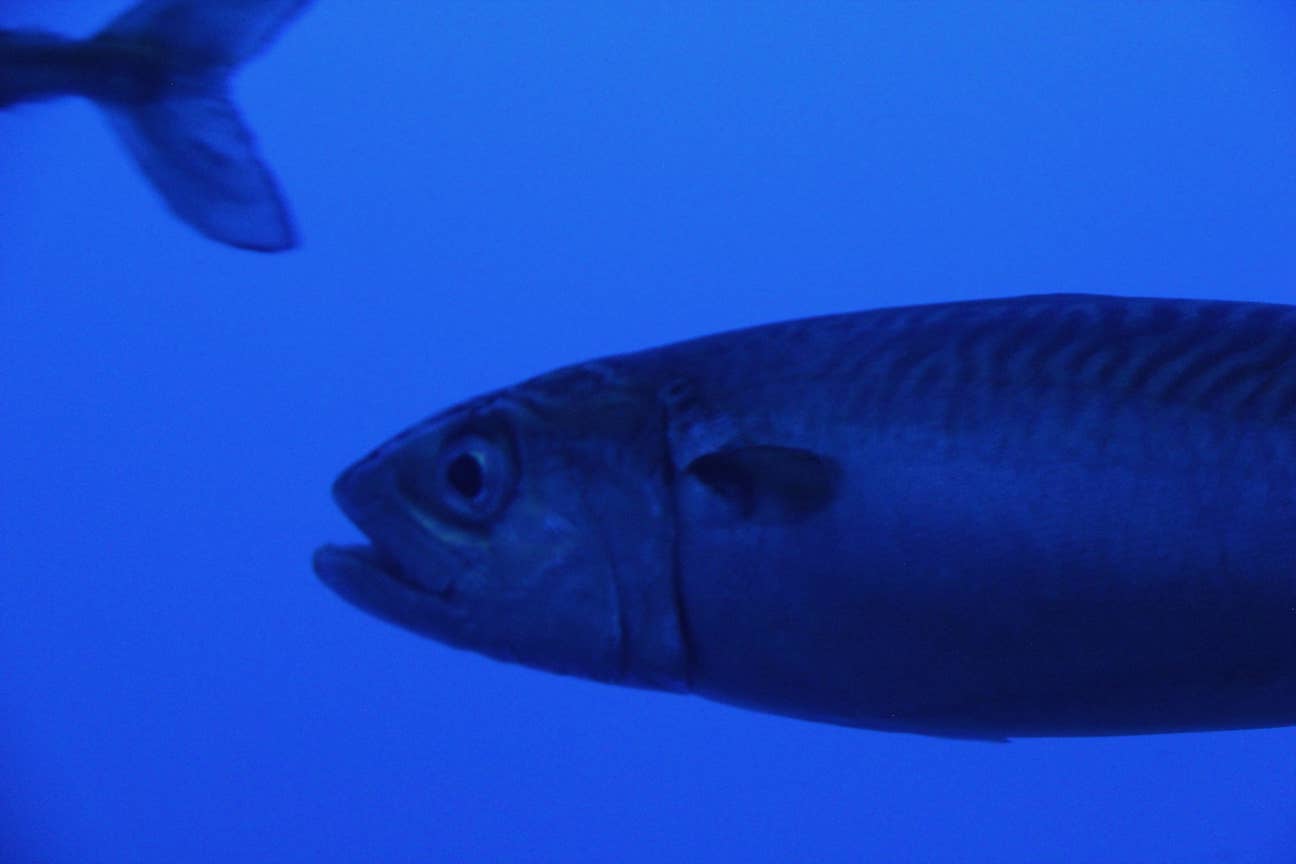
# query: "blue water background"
{"type": "Point", "coordinates": [487, 190]}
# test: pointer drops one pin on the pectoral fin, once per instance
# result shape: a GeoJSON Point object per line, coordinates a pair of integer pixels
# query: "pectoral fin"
{"type": "Point", "coordinates": [769, 483]}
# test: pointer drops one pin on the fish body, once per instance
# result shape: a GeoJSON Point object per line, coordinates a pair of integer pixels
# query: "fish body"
{"type": "Point", "coordinates": [1038, 516]}
{"type": "Point", "coordinates": [35, 66]}
{"type": "Point", "coordinates": [160, 73]}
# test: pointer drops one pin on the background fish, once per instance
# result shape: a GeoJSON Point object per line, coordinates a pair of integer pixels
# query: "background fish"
{"type": "Point", "coordinates": [160, 72]}
{"type": "Point", "coordinates": [1056, 515]}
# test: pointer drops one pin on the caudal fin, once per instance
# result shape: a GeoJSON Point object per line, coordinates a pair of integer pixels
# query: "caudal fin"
{"type": "Point", "coordinates": [190, 142]}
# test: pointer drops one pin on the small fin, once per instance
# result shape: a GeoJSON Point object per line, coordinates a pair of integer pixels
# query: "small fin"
{"type": "Point", "coordinates": [202, 33]}
{"type": "Point", "coordinates": [200, 156]}
{"type": "Point", "coordinates": [768, 483]}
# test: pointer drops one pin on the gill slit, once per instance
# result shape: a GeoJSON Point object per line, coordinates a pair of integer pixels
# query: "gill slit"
{"type": "Point", "coordinates": [669, 481]}
{"type": "Point", "coordinates": [623, 648]}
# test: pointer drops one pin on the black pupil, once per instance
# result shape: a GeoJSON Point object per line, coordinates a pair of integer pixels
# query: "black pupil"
{"type": "Point", "coordinates": [465, 475]}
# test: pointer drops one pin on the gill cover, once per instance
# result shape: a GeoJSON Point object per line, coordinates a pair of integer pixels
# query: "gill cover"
{"type": "Point", "coordinates": [531, 525]}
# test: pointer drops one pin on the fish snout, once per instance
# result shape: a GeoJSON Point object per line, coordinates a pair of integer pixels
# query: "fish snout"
{"type": "Point", "coordinates": [369, 494]}
{"type": "Point", "coordinates": [361, 489]}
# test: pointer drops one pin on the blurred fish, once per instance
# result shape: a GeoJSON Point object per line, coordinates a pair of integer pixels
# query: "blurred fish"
{"type": "Point", "coordinates": [160, 71]}
{"type": "Point", "coordinates": [1053, 515]}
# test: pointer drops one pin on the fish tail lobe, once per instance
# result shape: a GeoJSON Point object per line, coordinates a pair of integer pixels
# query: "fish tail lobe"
{"type": "Point", "coordinates": [188, 138]}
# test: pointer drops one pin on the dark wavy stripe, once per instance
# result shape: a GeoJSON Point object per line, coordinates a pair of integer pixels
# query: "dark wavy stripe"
{"type": "Point", "coordinates": [1217, 356]}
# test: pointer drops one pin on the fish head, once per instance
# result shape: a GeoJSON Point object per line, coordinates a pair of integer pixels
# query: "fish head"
{"type": "Point", "coordinates": [515, 525]}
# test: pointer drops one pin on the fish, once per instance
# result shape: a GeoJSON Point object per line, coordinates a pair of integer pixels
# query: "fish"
{"type": "Point", "coordinates": [160, 73]}
{"type": "Point", "coordinates": [1038, 516]}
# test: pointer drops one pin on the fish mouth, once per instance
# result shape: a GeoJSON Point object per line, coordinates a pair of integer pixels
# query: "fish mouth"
{"type": "Point", "coordinates": [340, 565]}
{"type": "Point", "coordinates": [372, 580]}
{"type": "Point", "coordinates": [368, 494]}
{"type": "Point", "coordinates": [399, 556]}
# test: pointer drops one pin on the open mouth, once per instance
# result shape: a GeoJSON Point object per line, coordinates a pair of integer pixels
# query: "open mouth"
{"type": "Point", "coordinates": [349, 563]}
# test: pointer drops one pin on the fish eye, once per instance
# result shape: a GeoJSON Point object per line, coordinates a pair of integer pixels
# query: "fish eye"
{"type": "Point", "coordinates": [473, 479]}
{"type": "Point", "coordinates": [466, 475]}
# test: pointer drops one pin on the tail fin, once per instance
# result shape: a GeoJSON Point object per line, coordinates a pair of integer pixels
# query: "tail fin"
{"type": "Point", "coordinates": [191, 143]}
